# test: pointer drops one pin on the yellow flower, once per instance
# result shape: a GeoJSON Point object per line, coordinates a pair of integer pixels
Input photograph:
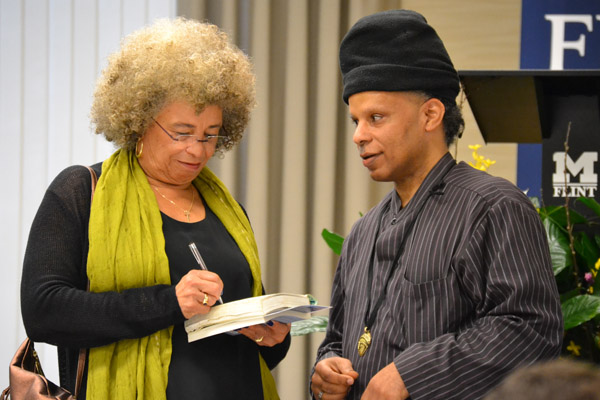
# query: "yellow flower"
{"type": "Point", "coordinates": [573, 348]}
{"type": "Point", "coordinates": [596, 266]}
{"type": "Point", "coordinates": [481, 163]}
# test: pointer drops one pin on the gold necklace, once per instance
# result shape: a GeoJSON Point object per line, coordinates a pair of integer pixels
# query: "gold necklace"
{"type": "Point", "coordinates": [186, 212]}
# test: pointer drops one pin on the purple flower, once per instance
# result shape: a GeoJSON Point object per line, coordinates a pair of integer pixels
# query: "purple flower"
{"type": "Point", "coordinates": [589, 278]}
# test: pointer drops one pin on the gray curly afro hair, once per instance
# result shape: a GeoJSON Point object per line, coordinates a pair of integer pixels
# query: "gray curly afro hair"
{"type": "Point", "coordinates": [172, 60]}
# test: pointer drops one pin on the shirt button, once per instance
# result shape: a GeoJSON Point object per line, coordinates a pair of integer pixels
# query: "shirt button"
{"type": "Point", "coordinates": [394, 220]}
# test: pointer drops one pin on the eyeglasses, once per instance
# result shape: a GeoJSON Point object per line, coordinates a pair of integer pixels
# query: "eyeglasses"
{"type": "Point", "coordinates": [187, 140]}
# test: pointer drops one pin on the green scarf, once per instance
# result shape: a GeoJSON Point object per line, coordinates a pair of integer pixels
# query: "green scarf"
{"type": "Point", "coordinates": [127, 250]}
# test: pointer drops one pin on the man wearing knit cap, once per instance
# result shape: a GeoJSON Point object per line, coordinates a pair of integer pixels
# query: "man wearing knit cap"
{"type": "Point", "coordinates": [446, 285]}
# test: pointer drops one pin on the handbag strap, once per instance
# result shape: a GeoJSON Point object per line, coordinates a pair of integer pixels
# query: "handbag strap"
{"type": "Point", "coordinates": [83, 352]}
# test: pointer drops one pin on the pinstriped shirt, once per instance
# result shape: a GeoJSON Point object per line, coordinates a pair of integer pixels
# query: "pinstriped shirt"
{"type": "Point", "coordinates": [472, 297]}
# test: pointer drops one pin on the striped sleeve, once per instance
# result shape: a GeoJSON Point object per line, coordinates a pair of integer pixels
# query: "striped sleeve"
{"type": "Point", "coordinates": [504, 269]}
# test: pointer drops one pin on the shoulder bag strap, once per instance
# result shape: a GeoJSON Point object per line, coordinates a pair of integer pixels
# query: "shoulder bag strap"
{"type": "Point", "coordinates": [83, 352]}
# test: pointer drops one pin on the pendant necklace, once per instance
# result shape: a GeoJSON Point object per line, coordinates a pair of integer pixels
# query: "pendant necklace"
{"type": "Point", "coordinates": [365, 339]}
{"type": "Point", "coordinates": [185, 212]}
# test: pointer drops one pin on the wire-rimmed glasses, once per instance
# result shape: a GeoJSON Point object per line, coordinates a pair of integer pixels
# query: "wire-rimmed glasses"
{"type": "Point", "coordinates": [186, 140]}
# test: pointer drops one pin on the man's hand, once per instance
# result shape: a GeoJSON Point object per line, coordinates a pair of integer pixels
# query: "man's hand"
{"type": "Point", "coordinates": [333, 378]}
{"type": "Point", "coordinates": [387, 384]}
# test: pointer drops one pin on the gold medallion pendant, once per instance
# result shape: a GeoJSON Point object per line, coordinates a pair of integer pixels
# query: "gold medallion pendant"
{"type": "Point", "coordinates": [364, 342]}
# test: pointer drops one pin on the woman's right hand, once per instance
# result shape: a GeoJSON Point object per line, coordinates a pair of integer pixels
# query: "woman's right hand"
{"type": "Point", "coordinates": [191, 290]}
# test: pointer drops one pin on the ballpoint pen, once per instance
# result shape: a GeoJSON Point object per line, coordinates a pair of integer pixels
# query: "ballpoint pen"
{"type": "Point", "coordinates": [200, 261]}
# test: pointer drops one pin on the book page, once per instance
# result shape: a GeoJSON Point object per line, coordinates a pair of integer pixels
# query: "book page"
{"type": "Point", "coordinates": [282, 307]}
{"type": "Point", "coordinates": [249, 307]}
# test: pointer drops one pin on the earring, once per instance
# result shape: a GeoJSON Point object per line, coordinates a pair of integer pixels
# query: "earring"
{"type": "Point", "coordinates": [138, 154]}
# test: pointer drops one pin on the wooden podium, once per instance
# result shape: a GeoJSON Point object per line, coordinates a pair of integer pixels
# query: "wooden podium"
{"type": "Point", "coordinates": [537, 106]}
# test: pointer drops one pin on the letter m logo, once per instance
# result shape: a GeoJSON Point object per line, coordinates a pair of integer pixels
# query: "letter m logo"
{"type": "Point", "coordinates": [584, 166]}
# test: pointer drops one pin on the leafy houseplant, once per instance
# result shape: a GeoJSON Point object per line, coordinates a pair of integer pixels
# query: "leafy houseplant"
{"type": "Point", "coordinates": [575, 250]}
{"type": "Point", "coordinates": [574, 242]}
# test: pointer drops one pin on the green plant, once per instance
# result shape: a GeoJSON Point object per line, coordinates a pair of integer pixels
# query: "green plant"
{"type": "Point", "coordinates": [333, 240]}
{"type": "Point", "coordinates": [575, 250]}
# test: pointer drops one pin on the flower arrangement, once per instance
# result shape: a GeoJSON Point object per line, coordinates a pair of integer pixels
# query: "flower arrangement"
{"type": "Point", "coordinates": [574, 242]}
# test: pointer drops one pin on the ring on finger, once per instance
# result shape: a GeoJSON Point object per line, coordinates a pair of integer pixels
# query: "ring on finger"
{"type": "Point", "coordinates": [320, 395]}
{"type": "Point", "coordinates": [260, 339]}
{"type": "Point", "coordinates": [205, 301]}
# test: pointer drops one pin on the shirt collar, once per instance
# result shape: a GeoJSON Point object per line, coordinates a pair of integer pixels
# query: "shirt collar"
{"type": "Point", "coordinates": [431, 181]}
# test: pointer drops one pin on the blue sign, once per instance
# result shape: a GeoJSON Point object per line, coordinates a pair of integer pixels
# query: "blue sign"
{"type": "Point", "coordinates": [555, 35]}
{"type": "Point", "coordinates": [560, 34]}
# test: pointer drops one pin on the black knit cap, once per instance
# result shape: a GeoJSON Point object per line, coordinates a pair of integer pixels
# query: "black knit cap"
{"type": "Point", "coordinates": [393, 51]}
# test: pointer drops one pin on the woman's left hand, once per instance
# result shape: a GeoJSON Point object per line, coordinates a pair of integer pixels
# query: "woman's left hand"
{"type": "Point", "coordinates": [266, 334]}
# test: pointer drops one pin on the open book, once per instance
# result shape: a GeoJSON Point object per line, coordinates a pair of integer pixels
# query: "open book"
{"type": "Point", "coordinates": [282, 307]}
